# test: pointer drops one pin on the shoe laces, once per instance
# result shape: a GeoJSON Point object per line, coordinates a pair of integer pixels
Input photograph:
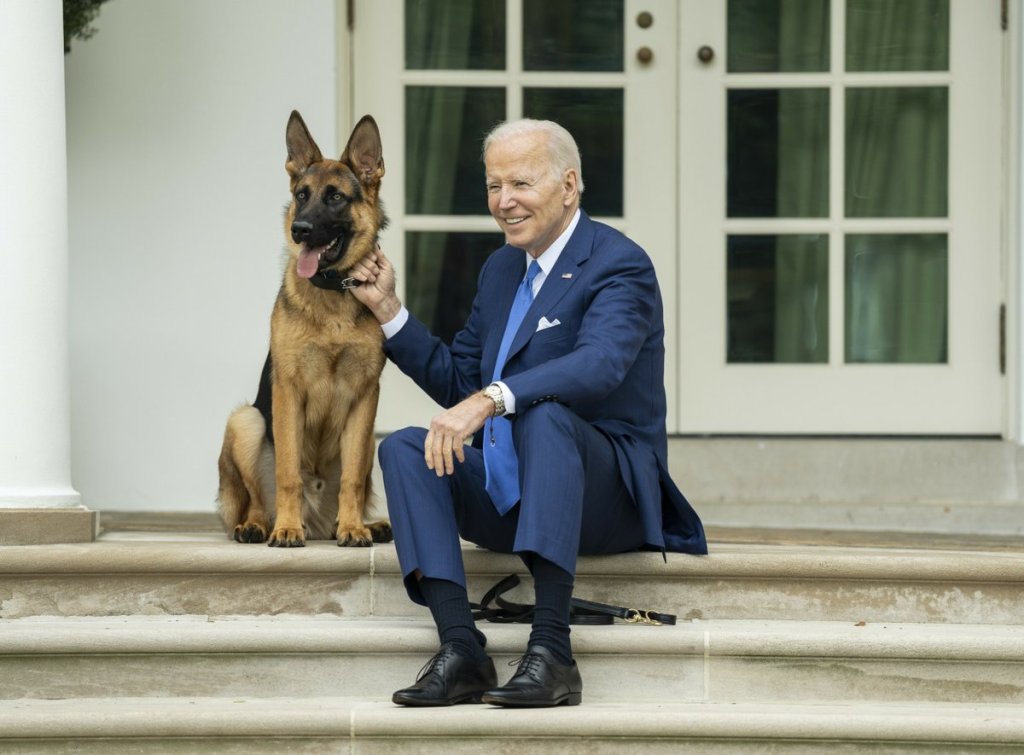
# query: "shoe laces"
{"type": "Point", "coordinates": [436, 664]}
{"type": "Point", "coordinates": [529, 664]}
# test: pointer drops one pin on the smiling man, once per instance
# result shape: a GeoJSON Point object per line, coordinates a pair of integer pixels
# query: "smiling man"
{"type": "Point", "coordinates": [558, 379]}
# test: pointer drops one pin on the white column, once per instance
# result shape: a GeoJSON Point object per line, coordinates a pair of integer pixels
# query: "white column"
{"type": "Point", "coordinates": [1015, 257]}
{"type": "Point", "coordinates": [35, 441]}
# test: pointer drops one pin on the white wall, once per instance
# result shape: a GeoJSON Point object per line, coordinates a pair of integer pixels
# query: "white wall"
{"type": "Point", "coordinates": [176, 115]}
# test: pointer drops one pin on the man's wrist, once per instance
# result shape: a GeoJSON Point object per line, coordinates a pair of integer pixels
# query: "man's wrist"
{"type": "Point", "coordinates": [387, 310]}
{"type": "Point", "coordinates": [493, 392]}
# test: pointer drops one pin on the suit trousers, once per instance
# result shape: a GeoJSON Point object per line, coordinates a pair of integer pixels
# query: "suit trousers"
{"type": "Point", "coordinates": [574, 501]}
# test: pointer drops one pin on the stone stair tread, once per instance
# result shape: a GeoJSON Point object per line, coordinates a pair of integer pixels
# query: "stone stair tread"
{"type": "Point", "coordinates": [190, 553]}
{"type": "Point", "coordinates": [356, 719]}
{"type": "Point", "coordinates": [331, 634]}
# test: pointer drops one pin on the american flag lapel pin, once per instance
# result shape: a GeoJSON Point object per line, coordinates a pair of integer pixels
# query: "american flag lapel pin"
{"type": "Point", "coordinates": [566, 276]}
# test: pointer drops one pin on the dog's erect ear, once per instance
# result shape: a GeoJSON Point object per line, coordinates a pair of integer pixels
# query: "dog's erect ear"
{"type": "Point", "coordinates": [302, 150]}
{"type": "Point", "coordinates": [363, 151]}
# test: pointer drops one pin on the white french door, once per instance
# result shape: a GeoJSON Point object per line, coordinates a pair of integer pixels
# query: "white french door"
{"type": "Point", "coordinates": [840, 217]}
{"type": "Point", "coordinates": [438, 75]}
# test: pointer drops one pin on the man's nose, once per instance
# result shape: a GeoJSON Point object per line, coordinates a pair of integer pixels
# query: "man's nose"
{"type": "Point", "coordinates": [507, 198]}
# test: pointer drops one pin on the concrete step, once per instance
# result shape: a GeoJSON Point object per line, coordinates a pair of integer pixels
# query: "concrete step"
{"type": "Point", "coordinates": [331, 724]}
{"type": "Point", "coordinates": [204, 574]}
{"type": "Point", "coordinates": [935, 485]}
{"type": "Point", "coordinates": [700, 661]}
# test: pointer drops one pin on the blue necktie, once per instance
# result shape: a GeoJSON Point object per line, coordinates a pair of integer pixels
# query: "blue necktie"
{"type": "Point", "coordinates": [500, 458]}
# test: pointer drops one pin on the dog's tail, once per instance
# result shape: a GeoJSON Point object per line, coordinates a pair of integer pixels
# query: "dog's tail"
{"type": "Point", "coordinates": [239, 497]}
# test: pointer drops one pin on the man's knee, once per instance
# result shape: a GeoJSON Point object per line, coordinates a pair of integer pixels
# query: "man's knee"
{"type": "Point", "coordinates": [401, 445]}
{"type": "Point", "coordinates": [543, 418]}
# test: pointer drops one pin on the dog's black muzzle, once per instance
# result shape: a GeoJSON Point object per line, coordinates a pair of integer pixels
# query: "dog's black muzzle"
{"type": "Point", "coordinates": [302, 230]}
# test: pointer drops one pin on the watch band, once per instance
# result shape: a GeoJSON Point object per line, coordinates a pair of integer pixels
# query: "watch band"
{"type": "Point", "coordinates": [493, 392]}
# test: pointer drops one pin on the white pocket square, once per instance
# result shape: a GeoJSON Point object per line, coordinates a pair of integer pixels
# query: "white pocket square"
{"type": "Point", "coordinates": [544, 324]}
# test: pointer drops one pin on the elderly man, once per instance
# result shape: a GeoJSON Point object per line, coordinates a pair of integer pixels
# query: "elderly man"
{"type": "Point", "coordinates": [558, 377]}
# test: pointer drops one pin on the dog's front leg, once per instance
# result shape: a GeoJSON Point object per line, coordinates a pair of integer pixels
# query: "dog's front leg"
{"type": "Point", "coordinates": [356, 465]}
{"type": "Point", "coordinates": [288, 437]}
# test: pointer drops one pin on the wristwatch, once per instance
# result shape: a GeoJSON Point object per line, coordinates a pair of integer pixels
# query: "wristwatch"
{"type": "Point", "coordinates": [493, 392]}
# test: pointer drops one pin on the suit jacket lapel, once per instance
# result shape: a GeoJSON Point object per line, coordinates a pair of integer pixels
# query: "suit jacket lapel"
{"type": "Point", "coordinates": [576, 252]}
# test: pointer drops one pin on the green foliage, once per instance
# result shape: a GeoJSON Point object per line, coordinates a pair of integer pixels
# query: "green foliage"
{"type": "Point", "coordinates": [78, 18]}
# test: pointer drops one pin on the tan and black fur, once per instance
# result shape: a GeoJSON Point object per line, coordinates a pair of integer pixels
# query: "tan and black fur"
{"type": "Point", "coordinates": [297, 463]}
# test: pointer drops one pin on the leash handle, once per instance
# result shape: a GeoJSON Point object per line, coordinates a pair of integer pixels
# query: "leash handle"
{"type": "Point", "coordinates": [581, 611]}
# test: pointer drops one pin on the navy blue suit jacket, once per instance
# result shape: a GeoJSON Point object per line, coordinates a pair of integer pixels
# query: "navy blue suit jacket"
{"type": "Point", "coordinates": [605, 360]}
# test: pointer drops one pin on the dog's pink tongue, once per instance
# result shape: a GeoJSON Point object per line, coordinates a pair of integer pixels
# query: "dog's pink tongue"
{"type": "Point", "coordinates": [309, 261]}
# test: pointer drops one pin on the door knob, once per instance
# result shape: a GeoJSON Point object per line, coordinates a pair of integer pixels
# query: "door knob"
{"type": "Point", "coordinates": [705, 54]}
{"type": "Point", "coordinates": [645, 55]}
{"type": "Point", "coordinates": [644, 20]}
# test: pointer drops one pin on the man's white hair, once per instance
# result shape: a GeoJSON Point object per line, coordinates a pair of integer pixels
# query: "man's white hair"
{"type": "Point", "coordinates": [563, 154]}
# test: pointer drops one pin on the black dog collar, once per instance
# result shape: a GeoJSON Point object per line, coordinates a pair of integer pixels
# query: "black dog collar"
{"type": "Point", "coordinates": [332, 280]}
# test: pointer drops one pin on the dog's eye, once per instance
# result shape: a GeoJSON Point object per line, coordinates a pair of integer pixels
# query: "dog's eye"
{"type": "Point", "coordinates": [302, 195]}
{"type": "Point", "coordinates": [337, 196]}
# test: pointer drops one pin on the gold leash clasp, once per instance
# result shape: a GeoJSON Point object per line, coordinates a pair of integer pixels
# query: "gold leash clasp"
{"type": "Point", "coordinates": [636, 616]}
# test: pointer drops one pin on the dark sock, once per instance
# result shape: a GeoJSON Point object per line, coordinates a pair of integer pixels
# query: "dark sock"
{"type": "Point", "coordinates": [449, 605]}
{"type": "Point", "coordinates": [553, 595]}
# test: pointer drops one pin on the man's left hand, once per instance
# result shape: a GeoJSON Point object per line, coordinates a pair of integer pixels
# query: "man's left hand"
{"type": "Point", "coordinates": [450, 430]}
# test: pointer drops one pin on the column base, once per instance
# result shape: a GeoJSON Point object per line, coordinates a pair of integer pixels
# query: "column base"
{"type": "Point", "coordinates": [47, 526]}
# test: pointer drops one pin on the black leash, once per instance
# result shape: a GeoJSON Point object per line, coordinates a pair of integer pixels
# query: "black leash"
{"type": "Point", "coordinates": [581, 611]}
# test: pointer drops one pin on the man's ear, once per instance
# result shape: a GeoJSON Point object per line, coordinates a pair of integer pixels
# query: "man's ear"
{"type": "Point", "coordinates": [570, 187]}
{"type": "Point", "coordinates": [302, 150]}
{"type": "Point", "coordinates": [363, 153]}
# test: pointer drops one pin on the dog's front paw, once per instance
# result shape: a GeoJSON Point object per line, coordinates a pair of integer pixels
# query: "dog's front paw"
{"type": "Point", "coordinates": [355, 537]}
{"type": "Point", "coordinates": [250, 532]}
{"type": "Point", "coordinates": [287, 537]}
{"type": "Point", "coordinates": [381, 531]}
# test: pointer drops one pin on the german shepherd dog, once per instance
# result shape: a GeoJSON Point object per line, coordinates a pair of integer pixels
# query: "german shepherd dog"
{"type": "Point", "coordinates": [297, 462]}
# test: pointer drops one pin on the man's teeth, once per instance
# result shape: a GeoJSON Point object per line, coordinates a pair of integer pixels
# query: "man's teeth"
{"type": "Point", "coordinates": [513, 221]}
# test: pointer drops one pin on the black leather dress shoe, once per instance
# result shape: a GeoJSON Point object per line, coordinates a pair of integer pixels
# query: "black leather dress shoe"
{"type": "Point", "coordinates": [539, 681]}
{"type": "Point", "coordinates": [449, 678]}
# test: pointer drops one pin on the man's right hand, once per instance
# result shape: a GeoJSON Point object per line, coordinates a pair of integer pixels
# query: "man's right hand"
{"type": "Point", "coordinates": [377, 290]}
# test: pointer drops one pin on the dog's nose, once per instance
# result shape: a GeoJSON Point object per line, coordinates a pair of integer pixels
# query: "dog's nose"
{"type": "Point", "coordinates": [301, 230]}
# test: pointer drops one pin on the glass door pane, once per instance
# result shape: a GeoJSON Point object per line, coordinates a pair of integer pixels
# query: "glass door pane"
{"type": "Point", "coordinates": [454, 35]}
{"type": "Point", "coordinates": [442, 147]}
{"type": "Point", "coordinates": [778, 153]}
{"type": "Point", "coordinates": [777, 298]}
{"type": "Point", "coordinates": [781, 36]}
{"type": "Point", "coordinates": [896, 298]}
{"type": "Point", "coordinates": [897, 35]}
{"type": "Point", "coordinates": [573, 35]}
{"type": "Point", "coordinates": [594, 117]}
{"type": "Point", "coordinates": [897, 152]}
